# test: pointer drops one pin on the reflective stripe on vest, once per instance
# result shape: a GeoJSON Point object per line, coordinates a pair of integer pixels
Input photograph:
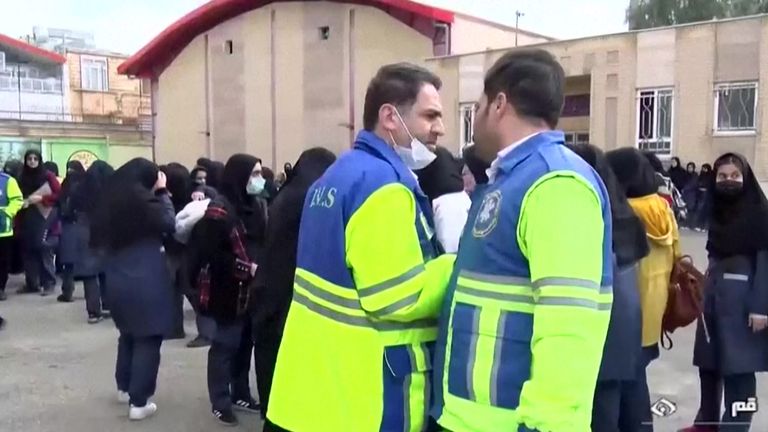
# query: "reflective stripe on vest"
{"type": "Point", "coordinates": [342, 305]}
{"type": "Point", "coordinates": [488, 307]}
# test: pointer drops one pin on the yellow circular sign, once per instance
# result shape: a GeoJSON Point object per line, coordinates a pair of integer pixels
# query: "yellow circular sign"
{"type": "Point", "coordinates": [85, 157]}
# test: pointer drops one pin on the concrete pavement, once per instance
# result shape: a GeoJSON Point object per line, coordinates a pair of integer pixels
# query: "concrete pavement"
{"type": "Point", "coordinates": [56, 373]}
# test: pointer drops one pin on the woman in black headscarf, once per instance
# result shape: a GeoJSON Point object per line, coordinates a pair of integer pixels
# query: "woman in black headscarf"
{"type": "Point", "coordinates": [223, 251]}
{"type": "Point", "coordinates": [639, 182]}
{"type": "Point", "coordinates": [198, 176]}
{"type": "Point", "coordinates": [704, 183]}
{"type": "Point", "coordinates": [274, 279]}
{"type": "Point", "coordinates": [86, 263]}
{"type": "Point", "coordinates": [67, 251]}
{"type": "Point", "coordinates": [732, 339]}
{"type": "Point", "coordinates": [134, 215]}
{"type": "Point", "coordinates": [180, 188]}
{"type": "Point", "coordinates": [476, 167]}
{"type": "Point", "coordinates": [39, 230]}
{"type": "Point", "coordinates": [617, 389]}
{"type": "Point", "coordinates": [443, 184]}
{"type": "Point", "coordinates": [677, 174]}
{"type": "Point", "coordinates": [689, 194]}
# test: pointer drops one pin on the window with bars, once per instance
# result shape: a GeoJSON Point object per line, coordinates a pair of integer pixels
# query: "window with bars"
{"type": "Point", "coordinates": [654, 120]}
{"type": "Point", "coordinates": [94, 73]}
{"type": "Point", "coordinates": [467, 115]}
{"type": "Point", "coordinates": [576, 138]}
{"type": "Point", "coordinates": [735, 107]}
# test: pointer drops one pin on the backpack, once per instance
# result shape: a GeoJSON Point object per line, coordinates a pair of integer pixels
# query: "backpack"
{"type": "Point", "coordinates": [685, 301]}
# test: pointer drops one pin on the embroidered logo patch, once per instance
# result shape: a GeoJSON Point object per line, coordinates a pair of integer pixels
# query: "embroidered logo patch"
{"type": "Point", "coordinates": [488, 216]}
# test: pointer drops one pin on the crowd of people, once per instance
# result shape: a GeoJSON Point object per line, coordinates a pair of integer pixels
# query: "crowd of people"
{"type": "Point", "coordinates": [398, 287]}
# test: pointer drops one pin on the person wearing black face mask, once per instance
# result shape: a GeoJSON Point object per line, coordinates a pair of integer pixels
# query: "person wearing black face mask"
{"type": "Point", "coordinates": [731, 339]}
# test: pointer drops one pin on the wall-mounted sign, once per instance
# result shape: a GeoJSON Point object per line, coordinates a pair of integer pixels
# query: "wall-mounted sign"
{"type": "Point", "coordinates": [85, 157]}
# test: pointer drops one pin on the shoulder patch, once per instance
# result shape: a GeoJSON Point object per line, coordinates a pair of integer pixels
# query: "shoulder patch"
{"type": "Point", "coordinates": [488, 216]}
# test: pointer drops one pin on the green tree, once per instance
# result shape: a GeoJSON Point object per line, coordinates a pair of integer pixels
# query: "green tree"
{"type": "Point", "coordinates": [643, 14]}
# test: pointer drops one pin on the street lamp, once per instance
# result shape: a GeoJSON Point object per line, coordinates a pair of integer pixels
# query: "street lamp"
{"type": "Point", "coordinates": [518, 14]}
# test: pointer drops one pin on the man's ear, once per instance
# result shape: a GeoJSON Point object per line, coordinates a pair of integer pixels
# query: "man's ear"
{"type": "Point", "coordinates": [500, 103]}
{"type": "Point", "coordinates": [388, 117]}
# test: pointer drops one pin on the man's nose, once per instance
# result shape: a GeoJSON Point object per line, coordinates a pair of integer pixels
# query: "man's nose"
{"type": "Point", "coordinates": [438, 128]}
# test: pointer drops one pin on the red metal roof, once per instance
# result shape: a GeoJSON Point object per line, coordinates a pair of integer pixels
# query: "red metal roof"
{"type": "Point", "coordinates": [31, 50]}
{"type": "Point", "coordinates": [153, 58]}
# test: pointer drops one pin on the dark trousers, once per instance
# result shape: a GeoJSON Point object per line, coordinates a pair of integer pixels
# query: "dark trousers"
{"type": "Point", "coordinates": [641, 397]}
{"type": "Point", "coordinates": [737, 388]}
{"type": "Point", "coordinates": [178, 313]}
{"type": "Point", "coordinates": [95, 294]}
{"type": "Point", "coordinates": [38, 268]}
{"type": "Point", "coordinates": [615, 407]}
{"type": "Point", "coordinates": [138, 360]}
{"type": "Point", "coordinates": [206, 326]}
{"type": "Point", "coordinates": [267, 337]}
{"type": "Point", "coordinates": [6, 257]}
{"type": "Point", "coordinates": [67, 279]}
{"type": "Point", "coordinates": [229, 362]}
{"type": "Point", "coordinates": [94, 288]}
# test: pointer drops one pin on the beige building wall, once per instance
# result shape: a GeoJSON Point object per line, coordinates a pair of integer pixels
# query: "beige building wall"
{"type": "Point", "coordinates": [469, 34]}
{"type": "Point", "coordinates": [181, 124]}
{"type": "Point", "coordinates": [690, 59]}
{"type": "Point", "coordinates": [283, 88]}
{"type": "Point", "coordinates": [123, 101]}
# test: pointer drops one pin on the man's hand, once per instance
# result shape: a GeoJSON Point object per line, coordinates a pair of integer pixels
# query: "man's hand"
{"type": "Point", "coordinates": [758, 322]}
{"type": "Point", "coordinates": [35, 199]}
{"type": "Point", "coordinates": [161, 182]}
{"type": "Point", "coordinates": [198, 196]}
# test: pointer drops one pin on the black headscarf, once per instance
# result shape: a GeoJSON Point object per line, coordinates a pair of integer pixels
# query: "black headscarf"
{"type": "Point", "coordinates": [215, 175]}
{"type": "Point", "coordinates": [13, 168]}
{"type": "Point", "coordinates": [270, 188]}
{"type": "Point", "coordinates": [706, 177]}
{"type": "Point", "coordinates": [195, 171]}
{"type": "Point", "coordinates": [738, 225]}
{"type": "Point", "coordinates": [655, 163]}
{"type": "Point", "coordinates": [288, 170]}
{"type": "Point", "coordinates": [179, 184]}
{"type": "Point", "coordinates": [629, 238]}
{"type": "Point", "coordinates": [678, 174]}
{"type": "Point", "coordinates": [69, 188]}
{"type": "Point", "coordinates": [52, 167]}
{"type": "Point", "coordinates": [476, 165]}
{"type": "Point", "coordinates": [75, 166]}
{"type": "Point", "coordinates": [237, 173]}
{"type": "Point", "coordinates": [32, 178]}
{"type": "Point", "coordinates": [87, 196]}
{"type": "Point", "coordinates": [633, 171]}
{"type": "Point", "coordinates": [275, 275]}
{"type": "Point", "coordinates": [128, 210]}
{"type": "Point", "coordinates": [442, 176]}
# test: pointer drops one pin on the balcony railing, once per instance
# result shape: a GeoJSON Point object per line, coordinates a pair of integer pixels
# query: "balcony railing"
{"type": "Point", "coordinates": [142, 123]}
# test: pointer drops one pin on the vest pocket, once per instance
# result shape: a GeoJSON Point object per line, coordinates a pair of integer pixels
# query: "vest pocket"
{"type": "Point", "coordinates": [490, 356]}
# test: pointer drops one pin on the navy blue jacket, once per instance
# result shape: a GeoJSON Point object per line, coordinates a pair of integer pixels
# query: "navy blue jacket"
{"type": "Point", "coordinates": [140, 292]}
{"type": "Point", "coordinates": [624, 340]}
{"type": "Point", "coordinates": [736, 287]}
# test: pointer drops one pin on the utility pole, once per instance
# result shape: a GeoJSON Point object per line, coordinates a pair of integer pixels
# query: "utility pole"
{"type": "Point", "coordinates": [518, 14]}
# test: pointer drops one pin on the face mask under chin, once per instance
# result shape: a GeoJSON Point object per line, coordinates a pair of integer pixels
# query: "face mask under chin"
{"type": "Point", "coordinates": [418, 156]}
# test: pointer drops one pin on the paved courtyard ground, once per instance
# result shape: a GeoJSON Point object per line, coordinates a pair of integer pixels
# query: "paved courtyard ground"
{"type": "Point", "coordinates": [56, 374]}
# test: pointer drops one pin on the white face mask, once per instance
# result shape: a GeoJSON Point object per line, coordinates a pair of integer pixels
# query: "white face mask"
{"type": "Point", "coordinates": [418, 156]}
{"type": "Point", "coordinates": [255, 185]}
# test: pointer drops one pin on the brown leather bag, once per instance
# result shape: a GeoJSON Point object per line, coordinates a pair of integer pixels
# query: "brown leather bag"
{"type": "Point", "coordinates": [686, 298]}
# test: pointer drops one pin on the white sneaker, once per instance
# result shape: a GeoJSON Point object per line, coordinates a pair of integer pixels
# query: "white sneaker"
{"type": "Point", "coordinates": [123, 397]}
{"type": "Point", "coordinates": [140, 413]}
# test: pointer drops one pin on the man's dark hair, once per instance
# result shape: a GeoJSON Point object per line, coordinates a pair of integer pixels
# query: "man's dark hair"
{"type": "Point", "coordinates": [533, 82]}
{"type": "Point", "coordinates": [397, 84]}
